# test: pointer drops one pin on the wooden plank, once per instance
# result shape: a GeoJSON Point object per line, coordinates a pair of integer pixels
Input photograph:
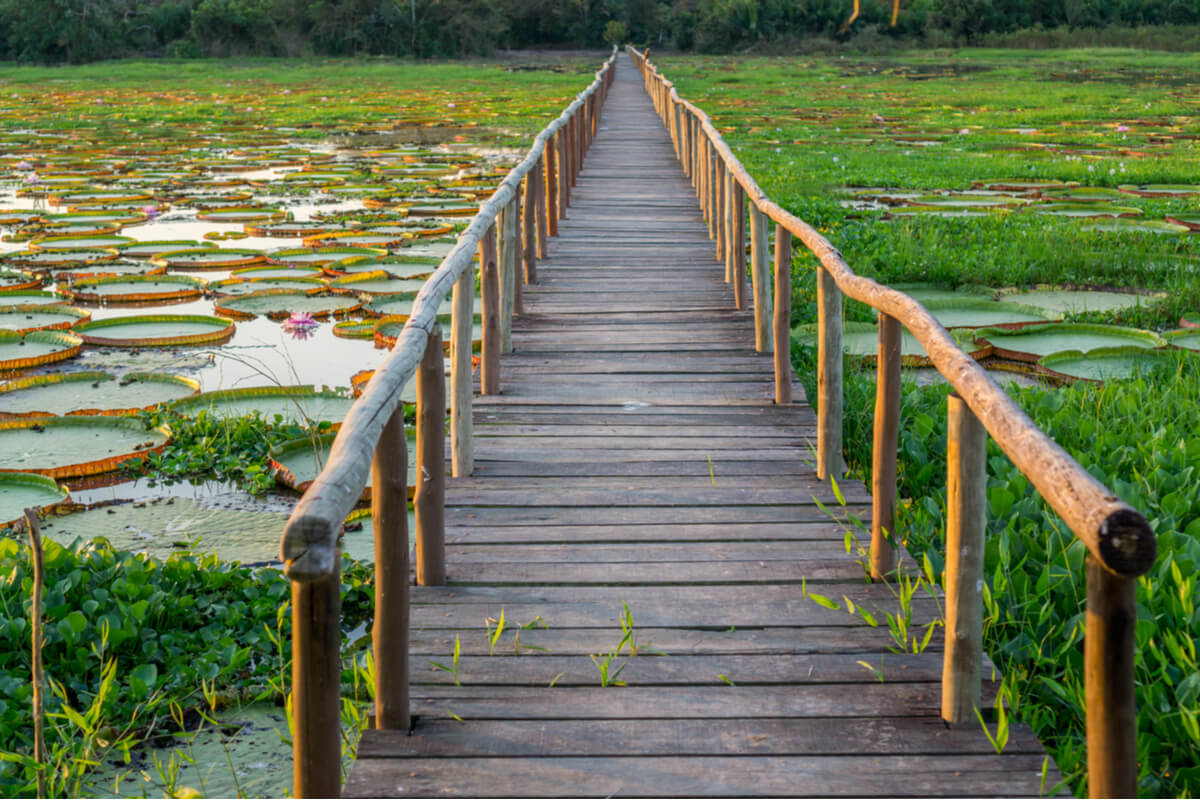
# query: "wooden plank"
{"type": "Point", "coordinates": [776, 776]}
{"type": "Point", "coordinates": [483, 516]}
{"type": "Point", "coordinates": [659, 573]}
{"type": "Point", "coordinates": [628, 738]}
{"type": "Point", "coordinates": [658, 552]}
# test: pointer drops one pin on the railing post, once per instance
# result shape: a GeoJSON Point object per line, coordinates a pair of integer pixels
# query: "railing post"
{"type": "Point", "coordinates": [389, 519]}
{"type": "Point", "coordinates": [317, 686]}
{"type": "Point", "coordinates": [552, 213]}
{"type": "Point", "coordinates": [783, 315]}
{"type": "Point", "coordinates": [506, 228]}
{"type": "Point", "coordinates": [489, 283]}
{"type": "Point", "coordinates": [883, 470]}
{"type": "Point", "coordinates": [760, 276]}
{"type": "Point", "coordinates": [528, 232]}
{"type": "Point", "coordinates": [737, 244]}
{"type": "Point", "coordinates": [966, 520]}
{"type": "Point", "coordinates": [728, 228]}
{"type": "Point", "coordinates": [1108, 660]}
{"type": "Point", "coordinates": [829, 376]}
{"type": "Point", "coordinates": [714, 194]}
{"type": "Point", "coordinates": [722, 214]}
{"type": "Point", "coordinates": [518, 304]}
{"type": "Point", "coordinates": [564, 179]}
{"type": "Point", "coordinates": [462, 447]}
{"type": "Point", "coordinates": [539, 206]}
{"type": "Point", "coordinates": [429, 501]}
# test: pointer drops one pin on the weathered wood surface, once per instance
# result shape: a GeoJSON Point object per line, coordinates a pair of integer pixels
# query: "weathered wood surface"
{"type": "Point", "coordinates": [635, 456]}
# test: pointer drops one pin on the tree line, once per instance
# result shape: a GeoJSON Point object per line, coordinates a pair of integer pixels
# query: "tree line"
{"type": "Point", "coordinates": [75, 31]}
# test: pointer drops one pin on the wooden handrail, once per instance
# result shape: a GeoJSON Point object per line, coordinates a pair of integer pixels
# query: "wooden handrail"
{"type": "Point", "coordinates": [1120, 541]}
{"type": "Point", "coordinates": [372, 441]}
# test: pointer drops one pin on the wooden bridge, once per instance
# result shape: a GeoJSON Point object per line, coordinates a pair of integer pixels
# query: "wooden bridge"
{"type": "Point", "coordinates": [648, 589]}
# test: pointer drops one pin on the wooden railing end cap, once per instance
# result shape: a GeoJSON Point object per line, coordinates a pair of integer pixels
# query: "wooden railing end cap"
{"type": "Point", "coordinates": [309, 548]}
{"type": "Point", "coordinates": [1127, 544]}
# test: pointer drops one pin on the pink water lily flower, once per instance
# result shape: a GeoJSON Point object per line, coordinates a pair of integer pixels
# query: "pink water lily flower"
{"type": "Point", "coordinates": [1122, 129]}
{"type": "Point", "coordinates": [32, 179]}
{"type": "Point", "coordinates": [150, 211]}
{"type": "Point", "coordinates": [22, 165]}
{"type": "Point", "coordinates": [300, 324]}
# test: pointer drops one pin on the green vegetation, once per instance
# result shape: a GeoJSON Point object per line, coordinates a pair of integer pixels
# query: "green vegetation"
{"type": "Point", "coordinates": [134, 645]}
{"type": "Point", "coordinates": [809, 128]}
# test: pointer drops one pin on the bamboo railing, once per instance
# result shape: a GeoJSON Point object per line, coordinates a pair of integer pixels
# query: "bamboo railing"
{"type": "Point", "coordinates": [1120, 543]}
{"type": "Point", "coordinates": [506, 231]}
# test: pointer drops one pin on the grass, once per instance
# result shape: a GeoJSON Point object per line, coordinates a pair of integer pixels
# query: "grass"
{"type": "Point", "coordinates": [943, 120]}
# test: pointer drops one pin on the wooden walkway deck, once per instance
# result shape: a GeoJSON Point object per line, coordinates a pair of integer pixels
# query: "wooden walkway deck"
{"type": "Point", "coordinates": [636, 458]}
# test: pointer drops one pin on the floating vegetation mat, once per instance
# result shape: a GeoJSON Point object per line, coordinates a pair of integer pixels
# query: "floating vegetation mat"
{"type": "Point", "coordinates": [303, 405]}
{"type": "Point", "coordinates": [75, 446]}
{"type": "Point", "coordinates": [91, 392]}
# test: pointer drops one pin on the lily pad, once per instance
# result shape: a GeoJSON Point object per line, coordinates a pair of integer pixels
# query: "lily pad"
{"type": "Point", "coordinates": [1161, 190]}
{"type": "Point", "coordinates": [156, 248]}
{"type": "Point", "coordinates": [80, 242]}
{"type": "Point", "coordinates": [378, 241]}
{"type": "Point", "coordinates": [968, 313]}
{"type": "Point", "coordinates": [70, 447]}
{"type": "Point", "coordinates": [1086, 210]}
{"type": "Point", "coordinates": [297, 462]}
{"type": "Point", "coordinates": [252, 273]}
{"type": "Point", "coordinates": [1085, 194]}
{"type": "Point", "coordinates": [15, 280]}
{"type": "Point", "coordinates": [47, 259]}
{"type": "Point", "coordinates": [279, 304]}
{"type": "Point", "coordinates": [155, 330]}
{"type": "Point", "coordinates": [388, 329]}
{"type": "Point", "coordinates": [1102, 364]}
{"type": "Point", "coordinates": [401, 303]}
{"type": "Point", "coordinates": [1187, 338]}
{"type": "Point", "coordinates": [297, 404]}
{"type": "Point", "coordinates": [22, 490]}
{"type": "Point", "coordinates": [376, 282]}
{"type": "Point", "coordinates": [1189, 221]}
{"type": "Point", "coordinates": [1034, 341]}
{"type": "Point", "coordinates": [862, 339]}
{"type": "Point", "coordinates": [28, 298]}
{"type": "Point", "coordinates": [27, 350]}
{"type": "Point", "coordinates": [319, 256]}
{"type": "Point", "coordinates": [209, 258]}
{"type": "Point", "coordinates": [25, 319]}
{"type": "Point", "coordinates": [234, 287]}
{"type": "Point", "coordinates": [1075, 301]}
{"type": "Point", "coordinates": [68, 393]}
{"type": "Point", "coordinates": [1136, 225]}
{"type": "Point", "coordinates": [240, 214]}
{"type": "Point", "coordinates": [287, 229]}
{"type": "Point", "coordinates": [135, 289]}
{"type": "Point", "coordinates": [354, 329]}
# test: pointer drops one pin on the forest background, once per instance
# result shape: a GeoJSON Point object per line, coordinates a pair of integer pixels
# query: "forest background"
{"type": "Point", "coordinates": [77, 31]}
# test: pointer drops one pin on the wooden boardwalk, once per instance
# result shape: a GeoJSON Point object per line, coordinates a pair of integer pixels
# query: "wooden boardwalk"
{"type": "Point", "coordinates": [636, 459]}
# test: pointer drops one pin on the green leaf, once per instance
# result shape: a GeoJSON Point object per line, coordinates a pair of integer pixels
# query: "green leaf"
{"type": "Point", "coordinates": [146, 673]}
{"type": "Point", "coordinates": [822, 600]}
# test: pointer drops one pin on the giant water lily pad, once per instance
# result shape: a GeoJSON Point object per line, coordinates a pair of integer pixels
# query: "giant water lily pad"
{"type": "Point", "coordinates": [376, 282]}
{"type": "Point", "coordinates": [120, 267]}
{"type": "Point", "coordinates": [48, 259]}
{"type": "Point", "coordinates": [60, 243]}
{"type": "Point", "coordinates": [67, 393]}
{"type": "Point", "coordinates": [401, 304]}
{"type": "Point", "coordinates": [234, 287]}
{"type": "Point", "coordinates": [388, 329]}
{"type": "Point", "coordinates": [1085, 194]}
{"type": "Point", "coordinates": [240, 214]}
{"type": "Point", "coordinates": [135, 289]}
{"type": "Point", "coordinates": [978, 313]}
{"type": "Point", "coordinates": [254, 273]}
{"type": "Point", "coordinates": [1187, 338]}
{"type": "Point", "coordinates": [30, 298]}
{"type": "Point", "coordinates": [297, 462]}
{"type": "Point", "coordinates": [862, 339]}
{"type": "Point", "coordinates": [156, 330]}
{"type": "Point", "coordinates": [1102, 364]}
{"type": "Point", "coordinates": [155, 248]}
{"type": "Point", "coordinates": [1075, 301]}
{"type": "Point", "coordinates": [27, 350]}
{"type": "Point", "coordinates": [279, 304]}
{"type": "Point", "coordinates": [1161, 190]}
{"type": "Point", "coordinates": [15, 280]}
{"type": "Point", "coordinates": [1086, 210]}
{"type": "Point", "coordinates": [1034, 341]}
{"type": "Point", "coordinates": [287, 229]}
{"type": "Point", "coordinates": [321, 255]}
{"type": "Point", "coordinates": [209, 258]}
{"type": "Point", "coordinates": [71, 447]}
{"type": "Point", "coordinates": [25, 319]}
{"type": "Point", "coordinates": [1122, 224]}
{"type": "Point", "coordinates": [22, 490]}
{"type": "Point", "coordinates": [297, 404]}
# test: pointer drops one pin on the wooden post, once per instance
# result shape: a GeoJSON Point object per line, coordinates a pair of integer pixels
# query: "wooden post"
{"type": "Point", "coordinates": [551, 157]}
{"type": "Point", "coordinates": [966, 521]}
{"type": "Point", "coordinates": [738, 244]}
{"type": "Point", "coordinates": [729, 228]}
{"type": "Point", "coordinates": [539, 206]}
{"type": "Point", "coordinates": [1108, 658]}
{"type": "Point", "coordinates": [883, 470]}
{"type": "Point", "coordinates": [721, 216]}
{"type": "Point", "coordinates": [489, 281]}
{"type": "Point", "coordinates": [572, 143]}
{"type": "Point", "coordinates": [829, 376]}
{"type": "Point", "coordinates": [783, 315]}
{"type": "Point", "coordinates": [506, 230]}
{"type": "Point", "coordinates": [462, 448]}
{"type": "Point", "coordinates": [528, 229]}
{"type": "Point", "coordinates": [714, 194]}
{"type": "Point", "coordinates": [702, 180]}
{"type": "Point", "coordinates": [564, 168]}
{"type": "Point", "coordinates": [518, 304]}
{"type": "Point", "coordinates": [389, 519]}
{"type": "Point", "coordinates": [429, 501]}
{"type": "Point", "coordinates": [317, 685]}
{"type": "Point", "coordinates": [760, 275]}
{"type": "Point", "coordinates": [36, 670]}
